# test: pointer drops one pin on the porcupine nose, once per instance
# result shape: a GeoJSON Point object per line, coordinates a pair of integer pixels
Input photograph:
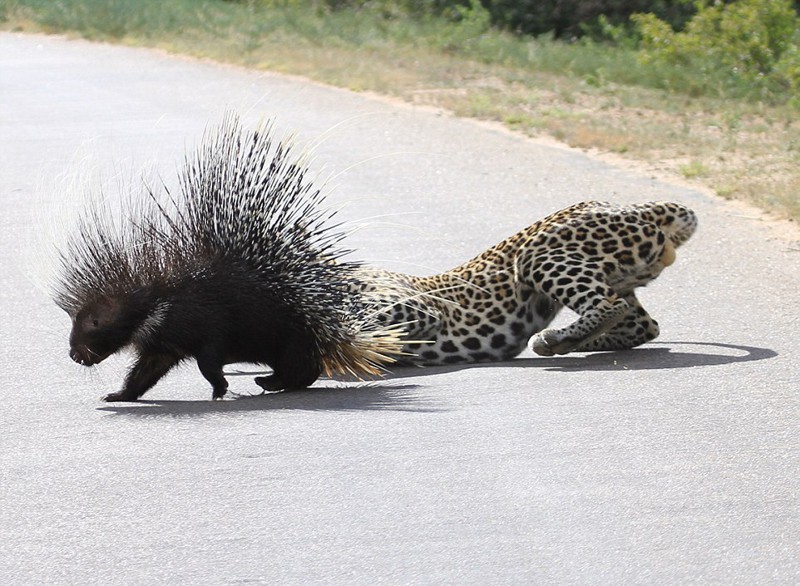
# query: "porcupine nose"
{"type": "Point", "coordinates": [79, 357]}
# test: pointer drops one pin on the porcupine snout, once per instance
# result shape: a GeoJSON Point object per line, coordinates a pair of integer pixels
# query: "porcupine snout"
{"type": "Point", "coordinates": [80, 354]}
{"type": "Point", "coordinates": [83, 355]}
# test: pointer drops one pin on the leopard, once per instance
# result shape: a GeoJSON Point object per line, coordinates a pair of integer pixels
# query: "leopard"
{"type": "Point", "coordinates": [589, 257]}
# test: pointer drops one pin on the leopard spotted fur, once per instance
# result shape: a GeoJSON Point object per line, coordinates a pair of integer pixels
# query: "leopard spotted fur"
{"type": "Point", "coordinates": [589, 257]}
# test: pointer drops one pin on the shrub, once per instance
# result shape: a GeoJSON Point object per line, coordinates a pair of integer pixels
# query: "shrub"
{"type": "Point", "coordinates": [748, 44]}
{"type": "Point", "coordinates": [561, 18]}
{"type": "Point", "coordinates": [573, 18]}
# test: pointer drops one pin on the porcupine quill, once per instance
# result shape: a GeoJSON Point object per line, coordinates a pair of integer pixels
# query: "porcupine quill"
{"type": "Point", "coordinates": [242, 264]}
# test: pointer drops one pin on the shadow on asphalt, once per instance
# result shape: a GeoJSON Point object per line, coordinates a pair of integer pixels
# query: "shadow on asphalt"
{"type": "Point", "coordinates": [646, 358]}
{"type": "Point", "coordinates": [370, 396]}
{"type": "Point", "coordinates": [384, 396]}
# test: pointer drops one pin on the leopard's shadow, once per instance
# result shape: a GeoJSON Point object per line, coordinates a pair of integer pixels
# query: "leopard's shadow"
{"type": "Point", "coordinates": [645, 358]}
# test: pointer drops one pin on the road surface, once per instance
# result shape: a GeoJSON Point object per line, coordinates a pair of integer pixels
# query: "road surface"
{"type": "Point", "coordinates": [673, 463]}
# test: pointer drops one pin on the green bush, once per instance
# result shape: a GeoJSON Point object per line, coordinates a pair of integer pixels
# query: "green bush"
{"type": "Point", "coordinates": [573, 18]}
{"type": "Point", "coordinates": [748, 45]}
{"type": "Point", "coordinates": [561, 18]}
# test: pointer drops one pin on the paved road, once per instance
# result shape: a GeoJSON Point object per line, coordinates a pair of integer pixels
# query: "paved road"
{"type": "Point", "coordinates": [673, 463]}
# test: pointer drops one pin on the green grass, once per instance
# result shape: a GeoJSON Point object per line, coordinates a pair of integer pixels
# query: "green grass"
{"type": "Point", "coordinates": [693, 169]}
{"type": "Point", "coordinates": [587, 95]}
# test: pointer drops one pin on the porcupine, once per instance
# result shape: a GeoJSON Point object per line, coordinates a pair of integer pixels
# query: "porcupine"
{"type": "Point", "coordinates": [243, 264]}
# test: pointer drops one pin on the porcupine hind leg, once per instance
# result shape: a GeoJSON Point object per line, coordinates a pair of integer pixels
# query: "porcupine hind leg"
{"type": "Point", "coordinates": [146, 372]}
{"type": "Point", "coordinates": [588, 294]}
{"type": "Point", "coordinates": [275, 382]}
{"type": "Point", "coordinates": [271, 383]}
{"type": "Point", "coordinates": [295, 369]}
{"type": "Point", "coordinates": [278, 382]}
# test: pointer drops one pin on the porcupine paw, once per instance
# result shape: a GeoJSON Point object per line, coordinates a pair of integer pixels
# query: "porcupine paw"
{"type": "Point", "coordinates": [270, 383]}
{"type": "Point", "coordinates": [118, 397]}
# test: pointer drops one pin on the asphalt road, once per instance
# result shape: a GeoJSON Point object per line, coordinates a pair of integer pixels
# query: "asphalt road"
{"type": "Point", "coordinates": [673, 463]}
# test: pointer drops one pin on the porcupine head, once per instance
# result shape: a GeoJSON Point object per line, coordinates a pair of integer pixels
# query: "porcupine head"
{"type": "Point", "coordinates": [240, 265]}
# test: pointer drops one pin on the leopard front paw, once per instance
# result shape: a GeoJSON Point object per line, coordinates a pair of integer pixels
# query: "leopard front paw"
{"type": "Point", "coordinates": [550, 343]}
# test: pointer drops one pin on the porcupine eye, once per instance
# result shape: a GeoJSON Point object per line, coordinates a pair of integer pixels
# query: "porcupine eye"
{"type": "Point", "coordinates": [87, 324]}
{"type": "Point", "coordinates": [90, 322]}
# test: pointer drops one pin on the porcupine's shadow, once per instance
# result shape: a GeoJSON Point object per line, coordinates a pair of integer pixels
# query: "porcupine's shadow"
{"type": "Point", "coordinates": [369, 396]}
{"type": "Point", "coordinates": [644, 358]}
{"type": "Point", "coordinates": [379, 396]}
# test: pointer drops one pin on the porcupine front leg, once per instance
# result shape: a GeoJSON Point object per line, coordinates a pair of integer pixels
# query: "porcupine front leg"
{"type": "Point", "coordinates": [211, 368]}
{"type": "Point", "coordinates": [588, 294]}
{"type": "Point", "coordinates": [146, 372]}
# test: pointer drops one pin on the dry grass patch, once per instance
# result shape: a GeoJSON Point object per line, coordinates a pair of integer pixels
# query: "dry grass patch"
{"type": "Point", "coordinates": [740, 149]}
